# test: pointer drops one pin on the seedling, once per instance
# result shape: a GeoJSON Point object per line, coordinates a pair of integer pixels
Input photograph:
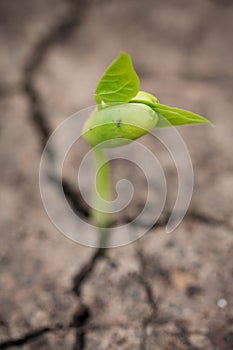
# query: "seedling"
{"type": "Point", "coordinates": [123, 114]}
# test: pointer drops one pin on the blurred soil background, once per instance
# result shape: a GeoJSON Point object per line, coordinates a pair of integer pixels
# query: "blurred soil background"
{"type": "Point", "coordinates": [163, 291]}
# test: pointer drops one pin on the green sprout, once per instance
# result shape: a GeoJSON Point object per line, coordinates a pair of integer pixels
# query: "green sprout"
{"type": "Point", "coordinates": [123, 114]}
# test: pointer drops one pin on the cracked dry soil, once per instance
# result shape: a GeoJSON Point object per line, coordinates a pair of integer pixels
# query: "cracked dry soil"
{"type": "Point", "coordinates": [161, 292]}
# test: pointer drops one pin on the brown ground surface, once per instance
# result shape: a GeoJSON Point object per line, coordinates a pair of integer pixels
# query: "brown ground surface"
{"type": "Point", "coordinates": [161, 292]}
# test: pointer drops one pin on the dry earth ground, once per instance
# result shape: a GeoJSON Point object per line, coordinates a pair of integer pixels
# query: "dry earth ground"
{"type": "Point", "coordinates": [162, 291]}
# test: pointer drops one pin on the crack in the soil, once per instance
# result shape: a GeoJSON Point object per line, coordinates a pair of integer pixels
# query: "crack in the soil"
{"type": "Point", "coordinates": [149, 293]}
{"type": "Point", "coordinates": [75, 199]}
{"type": "Point", "coordinates": [78, 281]}
{"type": "Point", "coordinates": [79, 324]}
{"type": "Point", "coordinates": [36, 112]}
{"type": "Point", "coordinates": [38, 116]}
{"type": "Point", "coordinates": [80, 319]}
{"type": "Point", "coordinates": [80, 328]}
{"type": "Point", "coordinates": [64, 28]}
{"type": "Point", "coordinates": [57, 34]}
{"type": "Point", "coordinates": [184, 334]}
{"type": "Point", "coordinates": [29, 336]}
{"type": "Point", "coordinates": [155, 319]}
{"type": "Point", "coordinates": [208, 220]}
{"type": "Point", "coordinates": [86, 270]}
{"type": "Point", "coordinates": [144, 281]}
{"type": "Point", "coordinates": [190, 216]}
{"type": "Point", "coordinates": [73, 196]}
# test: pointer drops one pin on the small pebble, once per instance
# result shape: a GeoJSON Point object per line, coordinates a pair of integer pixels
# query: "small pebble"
{"type": "Point", "coordinates": [222, 303]}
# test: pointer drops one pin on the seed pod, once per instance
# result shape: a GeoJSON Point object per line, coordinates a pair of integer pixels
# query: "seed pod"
{"type": "Point", "coordinates": [118, 124]}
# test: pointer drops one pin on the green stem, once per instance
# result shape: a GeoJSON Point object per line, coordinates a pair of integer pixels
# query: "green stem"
{"type": "Point", "coordinates": [102, 190]}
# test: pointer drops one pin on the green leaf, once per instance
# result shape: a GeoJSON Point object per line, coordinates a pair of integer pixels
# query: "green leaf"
{"type": "Point", "coordinates": [119, 83]}
{"type": "Point", "coordinates": [169, 116]}
{"type": "Point", "coordinates": [176, 116]}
